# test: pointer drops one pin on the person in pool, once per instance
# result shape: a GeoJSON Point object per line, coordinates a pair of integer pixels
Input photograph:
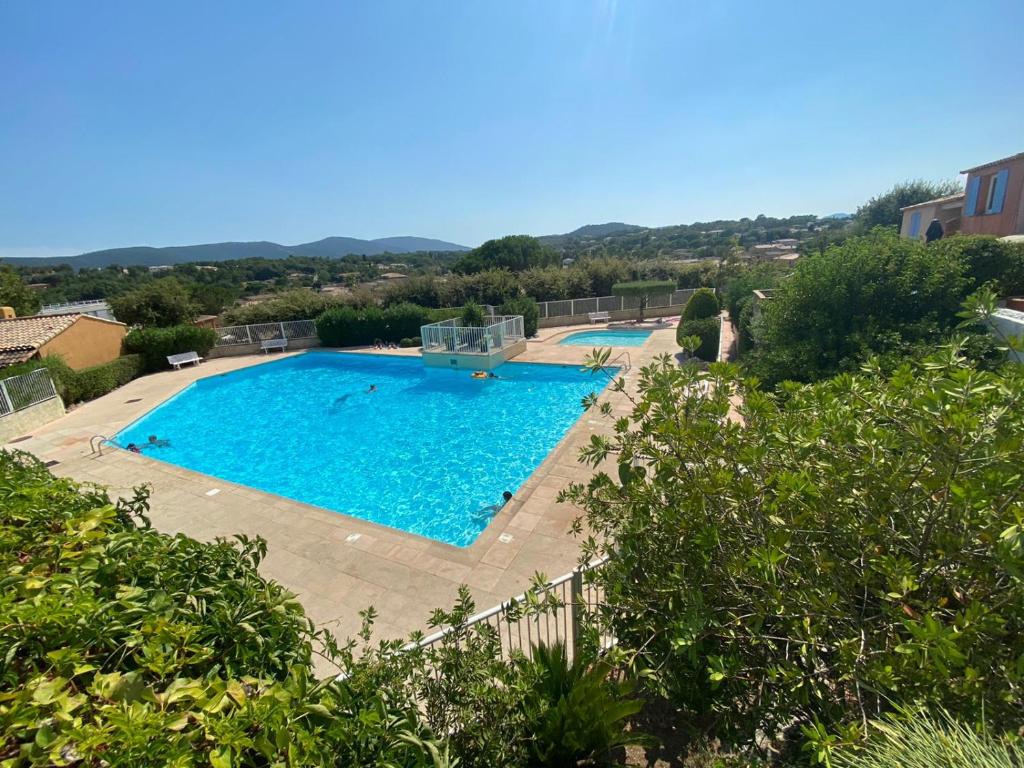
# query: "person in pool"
{"type": "Point", "coordinates": [373, 388]}
{"type": "Point", "coordinates": [134, 448]}
{"type": "Point", "coordinates": [494, 509]}
{"type": "Point", "coordinates": [155, 442]}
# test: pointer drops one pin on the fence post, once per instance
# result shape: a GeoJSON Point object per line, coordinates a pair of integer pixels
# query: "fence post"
{"type": "Point", "coordinates": [248, 334]}
{"type": "Point", "coordinates": [5, 399]}
{"type": "Point", "coordinates": [282, 331]}
{"type": "Point", "coordinates": [576, 610]}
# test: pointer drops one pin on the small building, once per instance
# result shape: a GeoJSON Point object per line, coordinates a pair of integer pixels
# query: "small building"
{"type": "Point", "coordinates": [205, 321]}
{"type": "Point", "coordinates": [994, 202]}
{"type": "Point", "coordinates": [917, 217]}
{"type": "Point", "coordinates": [81, 341]}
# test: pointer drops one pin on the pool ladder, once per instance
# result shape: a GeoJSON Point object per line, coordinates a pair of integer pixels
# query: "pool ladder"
{"type": "Point", "coordinates": [623, 354]}
{"type": "Point", "coordinates": [96, 444]}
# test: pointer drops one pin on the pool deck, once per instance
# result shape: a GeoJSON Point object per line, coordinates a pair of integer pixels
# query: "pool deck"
{"type": "Point", "coordinates": [338, 565]}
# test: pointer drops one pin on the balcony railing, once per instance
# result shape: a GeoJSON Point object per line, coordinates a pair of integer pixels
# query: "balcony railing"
{"type": "Point", "coordinates": [450, 337]}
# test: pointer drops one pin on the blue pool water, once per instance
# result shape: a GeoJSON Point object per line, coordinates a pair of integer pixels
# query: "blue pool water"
{"type": "Point", "coordinates": [607, 338]}
{"type": "Point", "coordinates": [428, 452]}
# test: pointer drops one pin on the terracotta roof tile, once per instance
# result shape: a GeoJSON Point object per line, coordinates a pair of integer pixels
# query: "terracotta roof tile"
{"type": "Point", "coordinates": [29, 333]}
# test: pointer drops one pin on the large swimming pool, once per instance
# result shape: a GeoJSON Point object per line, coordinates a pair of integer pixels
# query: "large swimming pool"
{"type": "Point", "coordinates": [609, 337]}
{"type": "Point", "coordinates": [430, 451]}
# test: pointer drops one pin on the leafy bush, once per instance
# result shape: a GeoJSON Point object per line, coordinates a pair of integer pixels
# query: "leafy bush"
{"type": "Point", "coordinates": [346, 326]}
{"type": "Point", "coordinates": [526, 307]}
{"type": "Point", "coordinates": [703, 303]}
{"type": "Point", "coordinates": [411, 341]}
{"type": "Point", "coordinates": [299, 304]}
{"type": "Point", "coordinates": [818, 562]}
{"type": "Point", "coordinates": [473, 315]}
{"type": "Point", "coordinates": [707, 329]}
{"type": "Point", "coordinates": [124, 646]}
{"type": "Point", "coordinates": [155, 344]}
{"type": "Point", "coordinates": [868, 294]}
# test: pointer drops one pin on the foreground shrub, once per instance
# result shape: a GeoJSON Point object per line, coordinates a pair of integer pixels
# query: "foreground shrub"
{"type": "Point", "coordinates": [703, 303]}
{"type": "Point", "coordinates": [155, 344]}
{"type": "Point", "coordinates": [707, 330]}
{"type": "Point", "coordinates": [927, 742]}
{"type": "Point", "coordinates": [817, 563]}
{"type": "Point", "coordinates": [124, 646]}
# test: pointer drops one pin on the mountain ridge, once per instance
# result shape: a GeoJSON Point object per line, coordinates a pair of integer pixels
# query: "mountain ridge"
{"type": "Point", "coordinates": [150, 256]}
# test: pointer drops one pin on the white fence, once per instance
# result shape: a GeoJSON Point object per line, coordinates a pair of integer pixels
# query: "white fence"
{"type": "Point", "coordinates": [96, 308]}
{"type": "Point", "coordinates": [18, 392]}
{"type": "Point", "coordinates": [572, 594]}
{"type": "Point", "coordinates": [449, 336]}
{"type": "Point", "coordinates": [234, 335]}
{"type": "Point", "coordinates": [570, 307]}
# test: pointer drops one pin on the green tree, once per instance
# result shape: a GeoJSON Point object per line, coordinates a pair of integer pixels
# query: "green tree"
{"type": "Point", "coordinates": [15, 294]}
{"type": "Point", "coordinates": [159, 303]}
{"type": "Point", "coordinates": [702, 304]}
{"type": "Point", "coordinates": [526, 307]}
{"type": "Point", "coordinates": [818, 562]}
{"type": "Point", "coordinates": [513, 252]}
{"type": "Point", "coordinates": [884, 210]}
{"type": "Point", "coordinates": [642, 290]}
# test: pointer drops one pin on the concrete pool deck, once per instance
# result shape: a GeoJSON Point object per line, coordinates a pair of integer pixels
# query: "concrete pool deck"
{"type": "Point", "coordinates": [336, 564]}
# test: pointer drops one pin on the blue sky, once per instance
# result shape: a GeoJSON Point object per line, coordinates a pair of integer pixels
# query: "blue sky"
{"type": "Point", "coordinates": [128, 123]}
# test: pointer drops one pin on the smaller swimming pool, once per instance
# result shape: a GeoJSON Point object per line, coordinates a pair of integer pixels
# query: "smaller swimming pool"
{"type": "Point", "coordinates": [608, 337]}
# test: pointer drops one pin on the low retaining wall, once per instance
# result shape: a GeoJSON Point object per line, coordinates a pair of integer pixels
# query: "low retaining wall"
{"type": "Point", "coordinates": [615, 317]}
{"type": "Point", "coordinates": [27, 419]}
{"type": "Point", "coordinates": [473, 362]}
{"type": "Point", "coordinates": [233, 350]}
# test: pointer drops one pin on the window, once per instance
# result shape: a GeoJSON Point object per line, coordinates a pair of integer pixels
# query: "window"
{"type": "Point", "coordinates": [915, 224]}
{"type": "Point", "coordinates": [996, 192]}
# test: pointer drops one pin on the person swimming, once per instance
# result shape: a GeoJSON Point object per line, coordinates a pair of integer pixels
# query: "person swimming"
{"type": "Point", "coordinates": [494, 509]}
{"type": "Point", "coordinates": [373, 388]}
{"type": "Point", "coordinates": [155, 442]}
{"type": "Point", "coordinates": [134, 448]}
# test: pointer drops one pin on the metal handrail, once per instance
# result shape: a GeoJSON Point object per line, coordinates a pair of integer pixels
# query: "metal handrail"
{"type": "Point", "coordinates": [96, 444]}
{"type": "Point", "coordinates": [623, 353]}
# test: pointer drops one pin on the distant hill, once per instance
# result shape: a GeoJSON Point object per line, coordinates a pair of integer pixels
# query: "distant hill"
{"type": "Point", "coordinates": [839, 216]}
{"type": "Point", "coordinates": [592, 232]}
{"type": "Point", "coordinates": [330, 247]}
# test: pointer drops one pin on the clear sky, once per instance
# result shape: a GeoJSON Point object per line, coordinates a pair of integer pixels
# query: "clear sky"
{"type": "Point", "coordinates": [145, 123]}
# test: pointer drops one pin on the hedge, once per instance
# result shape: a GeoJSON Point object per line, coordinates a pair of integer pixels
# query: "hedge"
{"type": "Point", "coordinates": [350, 327]}
{"type": "Point", "coordinates": [87, 384]}
{"type": "Point", "coordinates": [155, 344]}
{"type": "Point", "coordinates": [703, 303]}
{"type": "Point", "coordinates": [708, 329]}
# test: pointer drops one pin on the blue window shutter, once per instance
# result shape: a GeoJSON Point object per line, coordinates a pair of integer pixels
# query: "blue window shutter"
{"type": "Point", "coordinates": [972, 196]}
{"type": "Point", "coordinates": [999, 192]}
{"type": "Point", "coordinates": [915, 223]}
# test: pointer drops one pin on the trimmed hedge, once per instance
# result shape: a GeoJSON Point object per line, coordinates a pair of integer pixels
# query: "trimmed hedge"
{"type": "Point", "coordinates": [155, 344]}
{"type": "Point", "coordinates": [90, 383]}
{"type": "Point", "coordinates": [350, 327]}
{"type": "Point", "coordinates": [87, 384]}
{"type": "Point", "coordinates": [703, 303]}
{"type": "Point", "coordinates": [708, 329]}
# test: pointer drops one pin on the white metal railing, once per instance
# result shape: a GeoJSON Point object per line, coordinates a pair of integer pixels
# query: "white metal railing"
{"type": "Point", "coordinates": [450, 336]}
{"type": "Point", "coordinates": [18, 392]}
{"type": "Point", "coordinates": [94, 307]}
{"type": "Point", "coordinates": [574, 594]}
{"type": "Point", "coordinates": [577, 307]}
{"type": "Point", "coordinates": [233, 335]}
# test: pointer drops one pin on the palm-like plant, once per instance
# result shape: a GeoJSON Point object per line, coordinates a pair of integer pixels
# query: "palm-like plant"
{"type": "Point", "coordinates": [579, 714]}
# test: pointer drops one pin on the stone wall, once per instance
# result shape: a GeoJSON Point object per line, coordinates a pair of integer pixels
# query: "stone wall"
{"type": "Point", "coordinates": [617, 316]}
{"type": "Point", "coordinates": [235, 350]}
{"type": "Point", "coordinates": [27, 419]}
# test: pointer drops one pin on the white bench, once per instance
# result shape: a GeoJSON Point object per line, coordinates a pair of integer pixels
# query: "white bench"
{"type": "Point", "coordinates": [176, 361]}
{"type": "Point", "coordinates": [270, 344]}
{"type": "Point", "coordinates": [598, 317]}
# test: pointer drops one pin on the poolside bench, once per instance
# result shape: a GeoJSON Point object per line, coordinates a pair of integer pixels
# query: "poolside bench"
{"type": "Point", "coordinates": [270, 344]}
{"type": "Point", "coordinates": [598, 317]}
{"type": "Point", "coordinates": [176, 361]}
